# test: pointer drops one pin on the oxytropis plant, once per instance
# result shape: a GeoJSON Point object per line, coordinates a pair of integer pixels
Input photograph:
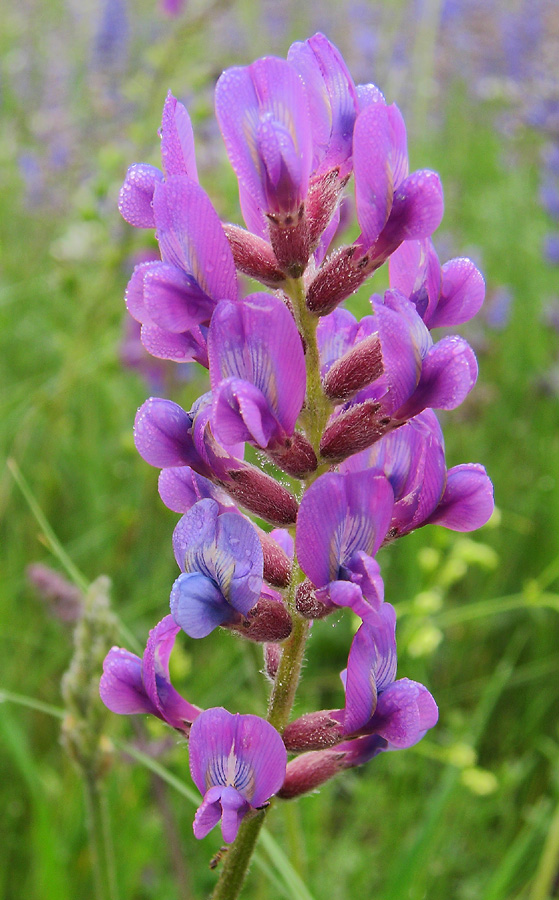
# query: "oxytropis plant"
{"type": "Point", "coordinates": [343, 407]}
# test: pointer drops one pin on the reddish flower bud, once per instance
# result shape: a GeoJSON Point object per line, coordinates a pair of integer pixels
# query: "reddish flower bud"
{"type": "Point", "coordinates": [289, 236]}
{"type": "Point", "coordinates": [296, 456]}
{"type": "Point", "coordinates": [321, 202]}
{"type": "Point", "coordinates": [313, 731]}
{"type": "Point", "coordinates": [357, 368]}
{"type": "Point", "coordinates": [354, 430]}
{"type": "Point", "coordinates": [307, 603]}
{"type": "Point", "coordinates": [272, 657]}
{"type": "Point", "coordinates": [261, 494]}
{"type": "Point", "coordinates": [253, 256]}
{"type": "Point", "coordinates": [277, 565]}
{"type": "Point", "coordinates": [307, 772]}
{"type": "Point", "coordinates": [267, 622]}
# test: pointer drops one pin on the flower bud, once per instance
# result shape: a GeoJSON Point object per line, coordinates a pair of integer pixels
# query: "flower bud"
{"type": "Point", "coordinates": [277, 565]}
{"type": "Point", "coordinates": [253, 256]}
{"type": "Point", "coordinates": [354, 430]}
{"type": "Point", "coordinates": [261, 494]}
{"type": "Point", "coordinates": [355, 369]}
{"type": "Point", "coordinates": [313, 731]}
{"type": "Point", "coordinates": [267, 622]}
{"type": "Point", "coordinates": [289, 236]}
{"type": "Point", "coordinates": [272, 658]}
{"type": "Point", "coordinates": [307, 603]}
{"type": "Point", "coordinates": [307, 772]}
{"type": "Point", "coordinates": [296, 456]}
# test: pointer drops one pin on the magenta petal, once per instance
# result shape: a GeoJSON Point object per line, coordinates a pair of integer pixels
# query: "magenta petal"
{"type": "Point", "coordinates": [267, 93]}
{"type": "Point", "coordinates": [136, 195]}
{"type": "Point", "coordinates": [121, 687]}
{"type": "Point", "coordinates": [373, 176]}
{"type": "Point", "coordinates": [257, 340]}
{"type": "Point", "coordinates": [405, 711]}
{"type": "Point", "coordinates": [187, 347]}
{"type": "Point", "coordinates": [332, 99]}
{"type": "Point", "coordinates": [191, 236]}
{"type": "Point", "coordinates": [448, 374]}
{"type": "Point", "coordinates": [134, 296]}
{"type": "Point", "coordinates": [180, 488]}
{"type": "Point", "coordinates": [241, 413]}
{"type": "Point", "coordinates": [177, 140]}
{"type": "Point", "coordinates": [243, 752]}
{"type": "Point", "coordinates": [398, 145]}
{"type": "Point", "coordinates": [234, 808]}
{"type": "Point", "coordinates": [339, 515]}
{"type": "Point", "coordinates": [418, 207]}
{"type": "Point", "coordinates": [416, 272]}
{"type": "Point", "coordinates": [162, 434]}
{"type": "Point", "coordinates": [467, 502]}
{"type": "Point", "coordinates": [335, 335]}
{"type": "Point", "coordinates": [194, 534]}
{"type": "Point", "coordinates": [462, 294]}
{"type": "Point", "coordinates": [208, 813]}
{"type": "Point", "coordinates": [155, 669]}
{"type": "Point", "coordinates": [360, 683]}
{"type": "Point", "coordinates": [173, 300]}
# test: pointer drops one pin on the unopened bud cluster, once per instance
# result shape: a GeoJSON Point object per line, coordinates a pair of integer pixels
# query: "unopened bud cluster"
{"type": "Point", "coordinates": [343, 406]}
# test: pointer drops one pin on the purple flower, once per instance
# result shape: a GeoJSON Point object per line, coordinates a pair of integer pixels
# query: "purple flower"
{"type": "Point", "coordinates": [132, 685]}
{"type": "Point", "coordinates": [288, 128]}
{"type": "Point", "coordinates": [220, 557]}
{"type": "Point", "coordinates": [263, 114]}
{"type": "Point", "coordinates": [392, 206]}
{"type": "Point", "coordinates": [257, 373]}
{"type": "Point", "coordinates": [168, 437]}
{"type": "Point", "coordinates": [416, 373]}
{"type": "Point", "coordinates": [412, 458]}
{"type": "Point", "coordinates": [443, 295]}
{"type": "Point", "coordinates": [237, 762]}
{"type": "Point", "coordinates": [342, 521]}
{"type": "Point", "coordinates": [175, 297]}
{"type": "Point", "coordinates": [135, 201]}
{"type": "Point", "coordinates": [398, 713]}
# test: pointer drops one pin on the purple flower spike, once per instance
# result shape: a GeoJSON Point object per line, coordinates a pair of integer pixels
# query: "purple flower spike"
{"type": "Point", "coordinates": [237, 762]}
{"type": "Point", "coordinates": [263, 114]}
{"type": "Point", "coordinates": [257, 371]}
{"type": "Point", "coordinates": [132, 685]}
{"type": "Point", "coordinates": [221, 558]}
{"type": "Point", "coordinates": [342, 522]}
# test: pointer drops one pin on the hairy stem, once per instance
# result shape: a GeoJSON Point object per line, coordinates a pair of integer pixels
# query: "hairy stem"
{"type": "Point", "coordinates": [235, 866]}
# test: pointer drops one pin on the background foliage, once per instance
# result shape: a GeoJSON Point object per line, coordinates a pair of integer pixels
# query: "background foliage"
{"type": "Point", "coordinates": [471, 812]}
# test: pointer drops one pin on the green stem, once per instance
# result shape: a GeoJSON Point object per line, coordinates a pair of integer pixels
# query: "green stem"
{"type": "Point", "coordinates": [318, 407]}
{"type": "Point", "coordinates": [100, 842]}
{"type": "Point", "coordinates": [238, 857]}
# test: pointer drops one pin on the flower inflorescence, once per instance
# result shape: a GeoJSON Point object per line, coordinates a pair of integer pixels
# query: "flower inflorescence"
{"type": "Point", "coordinates": [344, 407]}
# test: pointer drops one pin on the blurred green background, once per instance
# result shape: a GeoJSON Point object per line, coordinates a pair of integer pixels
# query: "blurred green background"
{"type": "Point", "coordinates": [472, 811]}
